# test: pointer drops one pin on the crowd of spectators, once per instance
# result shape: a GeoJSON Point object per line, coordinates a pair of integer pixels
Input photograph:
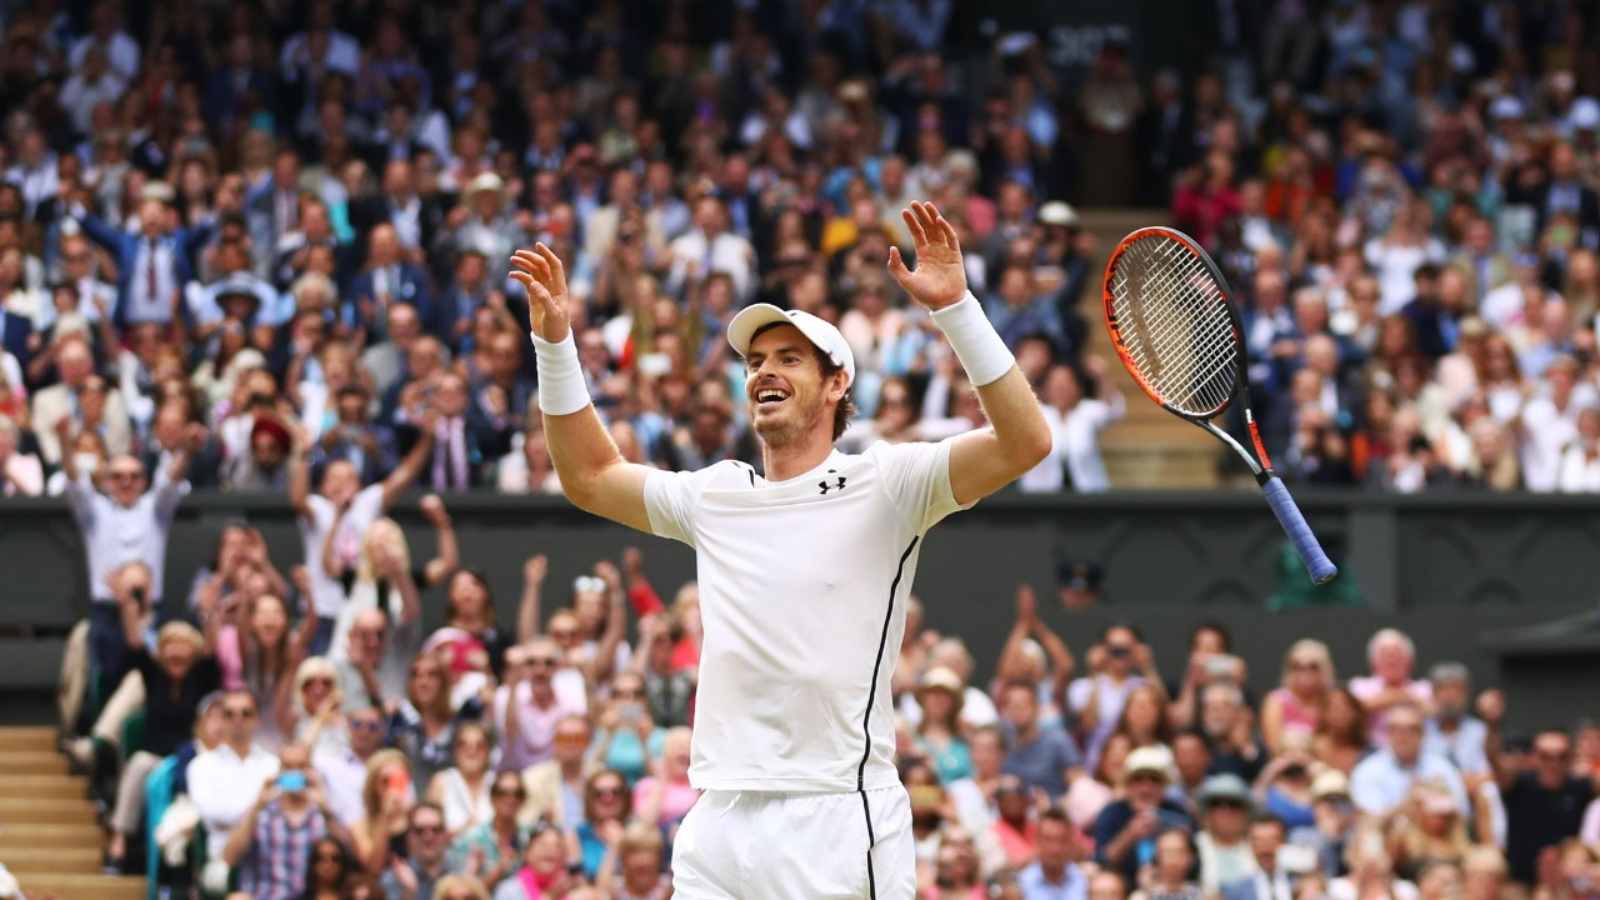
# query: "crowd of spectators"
{"type": "Point", "coordinates": [312, 738]}
{"type": "Point", "coordinates": [219, 225]}
{"type": "Point", "coordinates": [1404, 196]}
{"type": "Point", "coordinates": [262, 247]}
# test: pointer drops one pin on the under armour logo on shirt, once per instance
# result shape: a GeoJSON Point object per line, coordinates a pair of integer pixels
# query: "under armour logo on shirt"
{"type": "Point", "coordinates": [826, 487]}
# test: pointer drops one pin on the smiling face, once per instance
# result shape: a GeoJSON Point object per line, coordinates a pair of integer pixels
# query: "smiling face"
{"type": "Point", "coordinates": [788, 394]}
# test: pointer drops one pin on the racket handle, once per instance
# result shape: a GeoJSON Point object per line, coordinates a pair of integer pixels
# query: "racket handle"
{"type": "Point", "coordinates": [1283, 506]}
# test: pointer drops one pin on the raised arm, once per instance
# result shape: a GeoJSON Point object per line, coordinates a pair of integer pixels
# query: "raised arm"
{"type": "Point", "coordinates": [411, 466]}
{"type": "Point", "coordinates": [593, 474]}
{"type": "Point", "coordinates": [444, 564]}
{"type": "Point", "coordinates": [300, 471]}
{"type": "Point", "coordinates": [1017, 437]}
{"type": "Point", "coordinates": [533, 572]}
{"type": "Point", "coordinates": [605, 654]}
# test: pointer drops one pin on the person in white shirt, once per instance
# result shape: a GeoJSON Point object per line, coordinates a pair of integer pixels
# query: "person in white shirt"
{"type": "Point", "coordinates": [1075, 423]}
{"type": "Point", "coordinates": [224, 782]}
{"type": "Point", "coordinates": [803, 576]}
{"type": "Point", "coordinates": [125, 524]}
{"type": "Point", "coordinates": [346, 508]}
{"type": "Point", "coordinates": [710, 247]}
{"type": "Point", "coordinates": [1550, 423]}
{"type": "Point", "coordinates": [344, 768]}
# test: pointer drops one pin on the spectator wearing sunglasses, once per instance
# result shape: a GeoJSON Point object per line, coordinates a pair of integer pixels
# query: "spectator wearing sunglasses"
{"type": "Point", "coordinates": [344, 768]}
{"type": "Point", "coordinates": [1543, 806]}
{"type": "Point", "coordinates": [424, 865]}
{"type": "Point", "coordinates": [607, 804]}
{"type": "Point", "coordinates": [1383, 781]}
{"type": "Point", "coordinates": [555, 787]}
{"type": "Point", "coordinates": [124, 524]}
{"type": "Point", "coordinates": [527, 712]}
{"type": "Point", "coordinates": [1222, 844]}
{"type": "Point", "coordinates": [490, 851]}
{"type": "Point", "coordinates": [216, 775]}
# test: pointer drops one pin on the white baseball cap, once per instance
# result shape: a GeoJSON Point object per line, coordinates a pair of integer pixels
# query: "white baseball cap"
{"type": "Point", "coordinates": [818, 331]}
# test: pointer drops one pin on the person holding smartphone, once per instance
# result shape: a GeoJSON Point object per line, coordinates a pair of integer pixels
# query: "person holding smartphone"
{"type": "Point", "coordinates": [290, 814]}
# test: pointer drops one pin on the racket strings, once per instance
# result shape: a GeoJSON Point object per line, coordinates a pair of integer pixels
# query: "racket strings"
{"type": "Point", "coordinates": [1175, 325]}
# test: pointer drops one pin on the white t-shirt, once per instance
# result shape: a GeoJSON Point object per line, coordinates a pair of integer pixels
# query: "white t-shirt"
{"type": "Point", "coordinates": [327, 595]}
{"type": "Point", "coordinates": [802, 592]}
{"type": "Point", "coordinates": [1075, 447]}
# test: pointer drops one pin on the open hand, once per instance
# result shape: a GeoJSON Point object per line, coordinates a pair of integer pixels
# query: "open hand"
{"type": "Point", "coordinates": [433, 510]}
{"type": "Point", "coordinates": [542, 275]}
{"type": "Point", "coordinates": [939, 279]}
{"type": "Point", "coordinates": [533, 571]}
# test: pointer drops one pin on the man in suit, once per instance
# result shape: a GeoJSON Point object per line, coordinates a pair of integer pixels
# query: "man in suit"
{"type": "Point", "coordinates": [14, 333]}
{"type": "Point", "coordinates": [1565, 193]}
{"type": "Point", "coordinates": [1489, 267]}
{"type": "Point", "coordinates": [388, 278]}
{"type": "Point", "coordinates": [415, 219]}
{"type": "Point", "coordinates": [273, 207]}
{"type": "Point", "coordinates": [153, 263]}
{"type": "Point", "coordinates": [68, 400]}
{"type": "Point", "coordinates": [172, 433]}
{"type": "Point", "coordinates": [1269, 881]}
{"type": "Point", "coordinates": [464, 440]}
{"type": "Point", "coordinates": [239, 86]}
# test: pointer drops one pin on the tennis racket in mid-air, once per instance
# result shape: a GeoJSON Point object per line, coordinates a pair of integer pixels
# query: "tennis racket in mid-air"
{"type": "Point", "coordinates": [1172, 321]}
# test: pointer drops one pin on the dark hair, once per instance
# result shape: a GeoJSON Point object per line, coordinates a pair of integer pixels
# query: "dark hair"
{"type": "Point", "coordinates": [346, 863]}
{"type": "Point", "coordinates": [483, 584]}
{"type": "Point", "coordinates": [1055, 814]}
{"type": "Point", "coordinates": [847, 404]}
{"type": "Point", "coordinates": [1217, 628]}
{"type": "Point", "coordinates": [1266, 818]}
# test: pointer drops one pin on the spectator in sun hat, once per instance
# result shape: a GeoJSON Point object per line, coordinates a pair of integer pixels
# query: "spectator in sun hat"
{"type": "Point", "coordinates": [938, 734]}
{"type": "Point", "coordinates": [1335, 816]}
{"type": "Point", "coordinates": [1126, 830]}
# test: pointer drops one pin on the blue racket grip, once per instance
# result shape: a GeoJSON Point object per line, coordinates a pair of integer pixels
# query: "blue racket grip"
{"type": "Point", "coordinates": [1283, 506]}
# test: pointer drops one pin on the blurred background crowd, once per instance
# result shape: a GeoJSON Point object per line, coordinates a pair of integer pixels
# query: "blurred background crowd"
{"type": "Point", "coordinates": [262, 247]}
{"type": "Point", "coordinates": [213, 224]}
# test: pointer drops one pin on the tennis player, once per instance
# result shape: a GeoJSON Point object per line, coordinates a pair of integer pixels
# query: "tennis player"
{"type": "Point", "coordinates": [804, 570]}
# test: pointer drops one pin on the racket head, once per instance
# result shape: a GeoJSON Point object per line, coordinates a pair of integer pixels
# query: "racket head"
{"type": "Point", "coordinates": [1172, 322]}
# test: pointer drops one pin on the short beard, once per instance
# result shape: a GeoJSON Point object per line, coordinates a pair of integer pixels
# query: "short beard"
{"type": "Point", "coordinates": [788, 431]}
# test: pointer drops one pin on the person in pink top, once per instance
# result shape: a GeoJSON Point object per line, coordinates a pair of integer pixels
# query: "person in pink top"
{"type": "Point", "coordinates": [1294, 708]}
{"type": "Point", "coordinates": [664, 796]}
{"type": "Point", "coordinates": [1392, 656]}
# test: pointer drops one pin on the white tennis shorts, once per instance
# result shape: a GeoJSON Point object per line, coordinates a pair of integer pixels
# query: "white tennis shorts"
{"type": "Point", "coordinates": [757, 845]}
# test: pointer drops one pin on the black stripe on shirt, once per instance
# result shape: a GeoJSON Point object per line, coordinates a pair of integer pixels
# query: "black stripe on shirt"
{"type": "Point", "coordinates": [866, 717]}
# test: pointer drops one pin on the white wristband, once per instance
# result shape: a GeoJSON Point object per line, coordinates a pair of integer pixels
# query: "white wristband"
{"type": "Point", "coordinates": [562, 390]}
{"type": "Point", "coordinates": [979, 347]}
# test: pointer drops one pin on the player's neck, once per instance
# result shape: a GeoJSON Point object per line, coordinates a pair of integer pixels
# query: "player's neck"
{"type": "Point", "coordinates": [798, 458]}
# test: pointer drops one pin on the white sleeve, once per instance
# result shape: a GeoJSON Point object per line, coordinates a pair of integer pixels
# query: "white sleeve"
{"type": "Point", "coordinates": [368, 504]}
{"type": "Point", "coordinates": [917, 478]}
{"type": "Point", "coordinates": [1367, 795]}
{"type": "Point", "coordinates": [669, 499]}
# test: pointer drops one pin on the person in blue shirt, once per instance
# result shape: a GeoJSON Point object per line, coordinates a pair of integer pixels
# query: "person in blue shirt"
{"type": "Point", "coordinates": [1126, 831]}
{"type": "Point", "coordinates": [1043, 757]}
{"type": "Point", "coordinates": [1052, 875]}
